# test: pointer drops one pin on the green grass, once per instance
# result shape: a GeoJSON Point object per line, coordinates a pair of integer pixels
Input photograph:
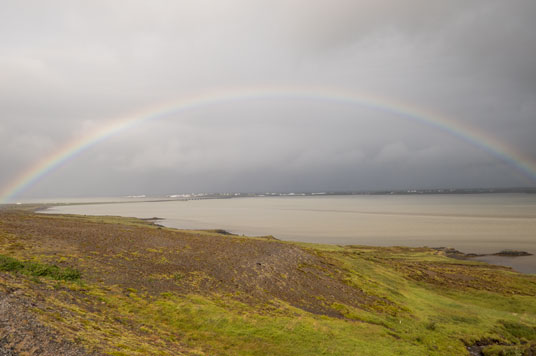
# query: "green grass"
{"type": "Point", "coordinates": [425, 321]}
{"type": "Point", "coordinates": [218, 325]}
{"type": "Point", "coordinates": [35, 269]}
{"type": "Point", "coordinates": [519, 330]}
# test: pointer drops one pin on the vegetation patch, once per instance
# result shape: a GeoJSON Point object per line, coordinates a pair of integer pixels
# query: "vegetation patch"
{"type": "Point", "coordinates": [35, 269]}
{"type": "Point", "coordinates": [519, 330]}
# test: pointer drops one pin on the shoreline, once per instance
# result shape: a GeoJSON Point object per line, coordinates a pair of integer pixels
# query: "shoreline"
{"type": "Point", "coordinates": [511, 260]}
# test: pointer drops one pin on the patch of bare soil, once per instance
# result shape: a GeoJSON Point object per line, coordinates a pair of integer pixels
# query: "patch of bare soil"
{"type": "Point", "coordinates": [156, 260]}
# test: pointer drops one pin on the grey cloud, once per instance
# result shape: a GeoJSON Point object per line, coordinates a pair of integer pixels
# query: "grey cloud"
{"type": "Point", "coordinates": [69, 67]}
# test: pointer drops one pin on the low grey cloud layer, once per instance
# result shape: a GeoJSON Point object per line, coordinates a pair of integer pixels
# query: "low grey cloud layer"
{"type": "Point", "coordinates": [67, 67]}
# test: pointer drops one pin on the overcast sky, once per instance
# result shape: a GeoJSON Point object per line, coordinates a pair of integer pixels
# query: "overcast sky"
{"type": "Point", "coordinates": [70, 66]}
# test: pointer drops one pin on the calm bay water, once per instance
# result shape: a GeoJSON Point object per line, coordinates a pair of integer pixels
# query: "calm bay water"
{"type": "Point", "coordinates": [480, 223]}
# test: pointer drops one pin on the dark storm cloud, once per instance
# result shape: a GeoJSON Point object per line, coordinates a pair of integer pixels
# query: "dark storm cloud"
{"type": "Point", "coordinates": [67, 67]}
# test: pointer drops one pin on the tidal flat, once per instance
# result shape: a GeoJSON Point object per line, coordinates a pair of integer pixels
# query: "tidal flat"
{"type": "Point", "coordinates": [135, 288]}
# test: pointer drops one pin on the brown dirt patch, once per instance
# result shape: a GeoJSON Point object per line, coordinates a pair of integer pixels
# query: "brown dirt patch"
{"type": "Point", "coordinates": [156, 260]}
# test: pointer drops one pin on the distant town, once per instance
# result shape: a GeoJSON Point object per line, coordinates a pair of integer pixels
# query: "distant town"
{"type": "Point", "coordinates": [198, 196]}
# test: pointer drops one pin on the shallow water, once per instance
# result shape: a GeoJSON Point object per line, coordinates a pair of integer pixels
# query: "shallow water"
{"type": "Point", "coordinates": [480, 223]}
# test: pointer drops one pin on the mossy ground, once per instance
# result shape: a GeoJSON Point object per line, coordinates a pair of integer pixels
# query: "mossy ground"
{"type": "Point", "coordinates": [146, 290]}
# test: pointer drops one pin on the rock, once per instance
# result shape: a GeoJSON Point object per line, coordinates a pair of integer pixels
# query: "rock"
{"type": "Point", "coordinates": [512, 253]}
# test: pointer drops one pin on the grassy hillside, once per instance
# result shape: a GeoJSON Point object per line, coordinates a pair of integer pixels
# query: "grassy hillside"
{"type": "Point", "coordinates": [119, 286]}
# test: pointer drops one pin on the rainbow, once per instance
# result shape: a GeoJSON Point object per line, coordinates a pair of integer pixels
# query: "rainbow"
{"type": "Point", "coordinates": [471, 135]}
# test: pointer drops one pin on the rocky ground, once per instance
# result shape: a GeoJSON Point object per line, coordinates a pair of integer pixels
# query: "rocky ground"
{"type": "Point", "coordinates": [21, 333]}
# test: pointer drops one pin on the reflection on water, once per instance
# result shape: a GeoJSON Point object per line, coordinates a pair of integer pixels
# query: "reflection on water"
{"type": "Point", "coordinates": [482, 223]}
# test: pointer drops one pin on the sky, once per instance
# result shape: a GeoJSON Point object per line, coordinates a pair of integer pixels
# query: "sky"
{"type": "Point", "coordinates": [68, 68]}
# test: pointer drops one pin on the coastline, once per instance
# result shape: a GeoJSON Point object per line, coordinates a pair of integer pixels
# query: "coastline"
{"type": "Point", "coordinates": [192, 216]}
{"type": "Point", "coordinates": [508, 258]}
{"type": "Point", "coordinates": [223, 294]}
